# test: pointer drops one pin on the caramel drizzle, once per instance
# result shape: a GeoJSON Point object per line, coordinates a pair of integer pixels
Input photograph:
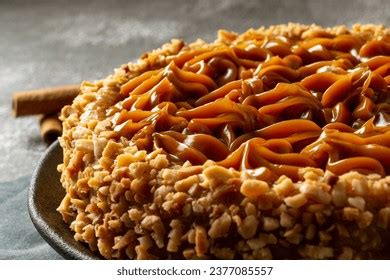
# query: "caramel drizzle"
{"type": "Point", "coordinates": [272, 103]}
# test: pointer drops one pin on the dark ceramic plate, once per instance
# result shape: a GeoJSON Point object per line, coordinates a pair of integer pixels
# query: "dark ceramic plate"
{"type": "Point", "coordinates": [45, 195]}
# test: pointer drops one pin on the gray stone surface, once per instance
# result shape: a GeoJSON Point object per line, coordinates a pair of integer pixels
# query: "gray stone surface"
{"type": "Point", "coordinates": [47, 43]}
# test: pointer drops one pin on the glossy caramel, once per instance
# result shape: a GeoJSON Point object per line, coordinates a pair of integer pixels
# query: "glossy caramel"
{"type": "Point", "coordinates": [271, 104]}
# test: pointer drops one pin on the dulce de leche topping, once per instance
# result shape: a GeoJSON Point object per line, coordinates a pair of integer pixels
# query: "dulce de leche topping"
{"type": "Point", "coordinates": [277, 103]}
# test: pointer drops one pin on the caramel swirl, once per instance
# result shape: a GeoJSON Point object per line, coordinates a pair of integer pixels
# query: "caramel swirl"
{"type": "Point", "coordinates": [275, 103]}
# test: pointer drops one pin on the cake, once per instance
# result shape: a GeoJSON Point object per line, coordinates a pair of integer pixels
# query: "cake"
{"type": "Point", "coordinates": [270, 144]}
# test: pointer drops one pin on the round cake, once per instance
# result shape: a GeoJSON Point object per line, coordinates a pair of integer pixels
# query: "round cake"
{"type": "Point", "coordinates": [274, 143]}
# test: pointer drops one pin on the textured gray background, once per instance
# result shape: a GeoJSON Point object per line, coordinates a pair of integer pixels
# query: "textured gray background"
{"type": "Point", "coordinates": [47, 43]}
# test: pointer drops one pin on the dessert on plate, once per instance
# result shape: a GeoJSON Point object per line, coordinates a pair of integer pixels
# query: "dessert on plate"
{"type": "Point", "coordinates": [274, 143]}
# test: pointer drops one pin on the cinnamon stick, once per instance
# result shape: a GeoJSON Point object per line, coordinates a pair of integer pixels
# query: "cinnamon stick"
{"type": "Point", "coordinates": [43, 101]}
{"type": "Point", "coordinates": [50, 128]}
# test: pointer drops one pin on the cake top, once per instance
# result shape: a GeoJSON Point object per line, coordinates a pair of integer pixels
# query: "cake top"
{"type": "Point", "coordinates": [269, 100]}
